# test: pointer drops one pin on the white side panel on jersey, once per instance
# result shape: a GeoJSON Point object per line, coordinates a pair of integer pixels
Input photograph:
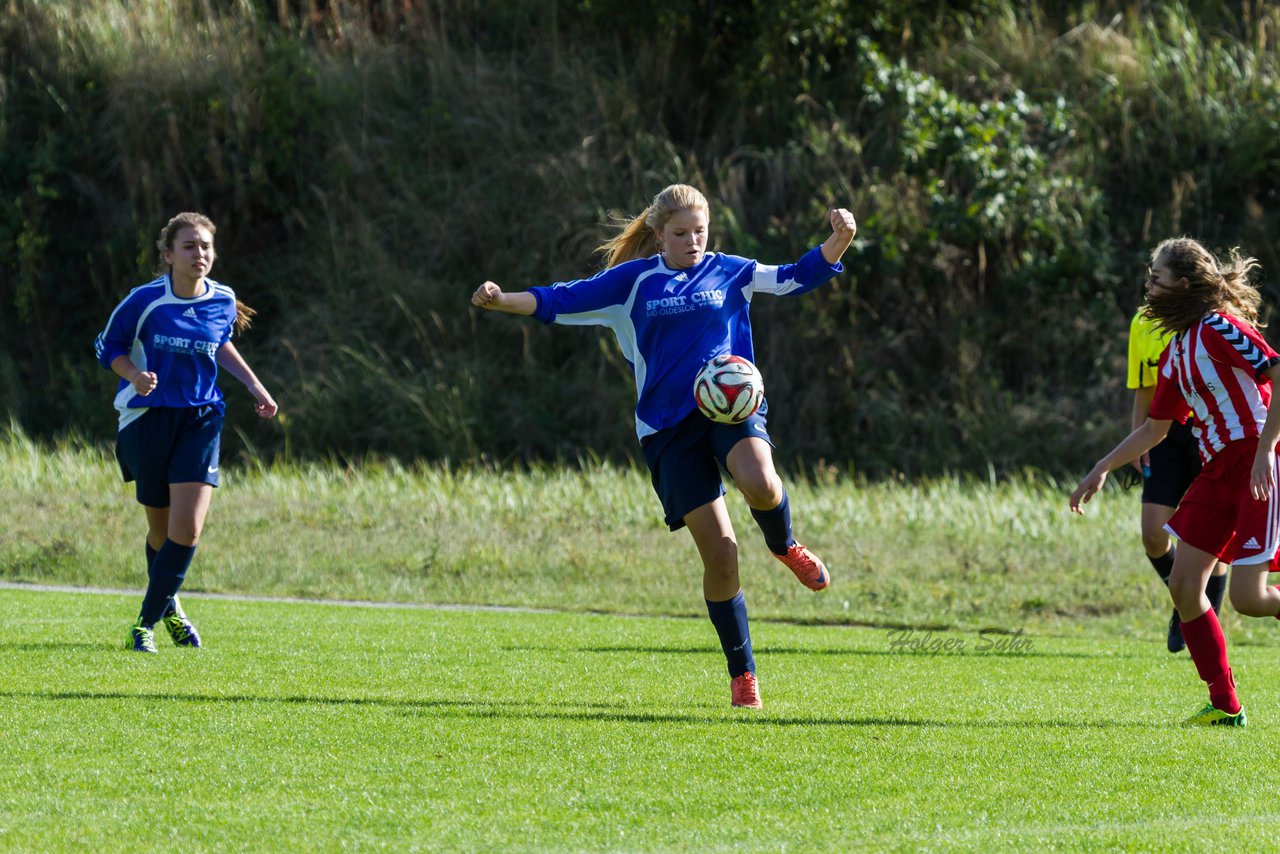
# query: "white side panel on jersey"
{"type": "Point", "coordinates": [618, 318]}
{"type": "Point", "coordinates": [127, 416]}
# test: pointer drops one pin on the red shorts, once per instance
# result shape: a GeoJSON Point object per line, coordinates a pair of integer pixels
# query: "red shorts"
{"type": "Point", "coordinates": [1220, 516]}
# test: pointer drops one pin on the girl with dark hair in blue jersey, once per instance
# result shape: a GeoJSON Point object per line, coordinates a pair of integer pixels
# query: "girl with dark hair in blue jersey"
{"type": "Point", "coordinates": [166, 341]}
{"type": "Point", "coordinates": [673, 306]}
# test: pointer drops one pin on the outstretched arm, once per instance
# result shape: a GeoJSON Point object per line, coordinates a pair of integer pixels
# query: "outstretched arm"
{"type": "Point", "coordinates": [1137, 443]}
{"type": "Point", "coordinates": [232, 362]}
{"type": "Point", "coordinates": [490, 296]}
{"type": "Point", "coordinates": [843, 228]}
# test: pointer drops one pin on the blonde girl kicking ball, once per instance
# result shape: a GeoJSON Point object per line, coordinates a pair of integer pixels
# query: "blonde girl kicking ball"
{"type": "Point", "coordinates": [674, 306]}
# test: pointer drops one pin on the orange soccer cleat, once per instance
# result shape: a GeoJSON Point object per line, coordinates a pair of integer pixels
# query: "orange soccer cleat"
{"type": "Point", "coordinates": [807, 567]}
{"type": "Point", "coordinates": [745, 691]}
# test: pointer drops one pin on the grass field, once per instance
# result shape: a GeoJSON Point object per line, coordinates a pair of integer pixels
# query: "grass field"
{"type": "Point", "coordinates": [984, 670]}
{"type": "Point", "coordinates": [319, 726]}
{"type": "Point", "coordinates": [952, 553]}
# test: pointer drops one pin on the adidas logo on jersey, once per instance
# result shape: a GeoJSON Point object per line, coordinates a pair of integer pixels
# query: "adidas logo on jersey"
{"type": "Point", "coordinates": [1252, 544]}
{"type": "Point", "coordinates": [191, 312]}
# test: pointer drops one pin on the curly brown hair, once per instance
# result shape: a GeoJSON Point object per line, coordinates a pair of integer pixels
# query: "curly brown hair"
{"type": "Point", "coordinates": [1212, 285]}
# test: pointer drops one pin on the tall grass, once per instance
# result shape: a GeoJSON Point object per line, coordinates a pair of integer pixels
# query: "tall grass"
{"type": "Point", "coordinates": [968, 553]}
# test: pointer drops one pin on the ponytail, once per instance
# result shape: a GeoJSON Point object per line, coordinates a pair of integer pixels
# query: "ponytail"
{"type": "Point", "coordinates": [243, 315]}
{"type": "Point", "coordinates": [635, 240]}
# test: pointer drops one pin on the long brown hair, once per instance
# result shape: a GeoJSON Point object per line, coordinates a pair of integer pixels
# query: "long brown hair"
{"type": "Point", "coordinates": [1213, 285]}
{"type": "Point", "coordinates": [169, 234]}
{"type": "Point", "coordinates": [637, 239]}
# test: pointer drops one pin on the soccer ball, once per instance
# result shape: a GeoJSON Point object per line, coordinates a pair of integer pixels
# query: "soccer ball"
{"type": "Point", "coordinates": [728, 389]}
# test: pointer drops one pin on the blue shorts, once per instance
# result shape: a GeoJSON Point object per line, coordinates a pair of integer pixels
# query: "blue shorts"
{"type": "Point", "coordinates": [1175, 462]}
{"type": "Point", "coordinates": [167, 446]}
{"type": "Point", "coordinates": [684, 461]}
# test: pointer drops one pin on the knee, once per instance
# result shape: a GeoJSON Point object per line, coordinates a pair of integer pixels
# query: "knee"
{"type": "Point", "coordinates": [185, 534]}
{"type": "Point", "coordinates": [1248, 603]}
{"type": "Point", "coordinates": [1156, 542]}
{"type": "Point", "coordinates": [1185, 590]}
{"type": "Point", "coordinates": [763, 492]}
{"type": "Point", "coordinates": [721, 562]}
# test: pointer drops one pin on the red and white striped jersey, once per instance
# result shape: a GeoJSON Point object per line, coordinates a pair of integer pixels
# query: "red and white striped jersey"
{"type": "Point", "coordinates": [1213, 372]}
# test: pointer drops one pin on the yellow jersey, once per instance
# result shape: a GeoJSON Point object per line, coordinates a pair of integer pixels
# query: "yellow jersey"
{"type": "Point", "coordinates": [1147, 343]}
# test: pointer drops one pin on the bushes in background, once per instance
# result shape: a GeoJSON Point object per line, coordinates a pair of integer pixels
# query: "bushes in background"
{"type": "Point", "coordinates": [369, 163]}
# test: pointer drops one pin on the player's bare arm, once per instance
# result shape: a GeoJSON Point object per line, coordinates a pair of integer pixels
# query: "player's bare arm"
{"type": "Point", "coordinates": [230, 360]}
{"type": "Point", "coordinates": [491, 297]}
{"type": "Point", "coordinates": [1142, 398]}
{"type": "Point", "coordinates": [1137, 443]}
{"type": "Point", "coordinates": [1262, 478]}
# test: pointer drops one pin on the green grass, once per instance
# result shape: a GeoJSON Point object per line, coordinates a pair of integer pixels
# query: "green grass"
{"type": "Point", "coordinates": [320, 726]}
{"type": "Point", "coordinates": [316, 725]}
{"type": "Point", "coordinates": [946, 553]}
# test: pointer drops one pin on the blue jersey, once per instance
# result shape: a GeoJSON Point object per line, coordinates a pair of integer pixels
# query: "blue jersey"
{"type": "Point", "coordinates": [669, 322]}
{"type": "Point", "coordinates": [174, 338]}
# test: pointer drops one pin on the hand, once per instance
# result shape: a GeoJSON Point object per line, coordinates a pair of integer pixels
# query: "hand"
{"type": "Point", "coordinates": [1262, 480]}
{"type": "Point", "coordinates": [1142, 465]}
{"type": "Point", "coordinates": [488, 295]}
{"type": "Point", "coordinates": [843, 224]}
{"type": "Point", "coordinates": [1088, 488]}
{"type": "Point", "coordinates": [144, 382]}
{"type": "Point", "coordinates": [266, 406]}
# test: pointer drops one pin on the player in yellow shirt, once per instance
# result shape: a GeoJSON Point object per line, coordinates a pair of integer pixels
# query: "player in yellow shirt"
{"type": "Point", "coordinates": [1167, 470]}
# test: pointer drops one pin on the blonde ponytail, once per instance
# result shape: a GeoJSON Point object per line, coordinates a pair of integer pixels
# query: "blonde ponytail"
{"type": "Point", "coordinates": [243, 317]}
{"type": "Point", "coordinates": [635, 240]}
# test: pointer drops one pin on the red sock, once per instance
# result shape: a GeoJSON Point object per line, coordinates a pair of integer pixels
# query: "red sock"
{"type": "Point", "coordinates": [1208, 648]}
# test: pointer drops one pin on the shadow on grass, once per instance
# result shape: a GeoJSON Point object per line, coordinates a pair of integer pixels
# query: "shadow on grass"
{"type": "Point", "coordinates": [835, 652]}
{"type": "Point", "coordinates": [36, 646]}
{"type": "Point", "coordinates": [586, 712]}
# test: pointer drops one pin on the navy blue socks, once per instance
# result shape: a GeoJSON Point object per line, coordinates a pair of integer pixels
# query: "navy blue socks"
{"type": "Point", "coordinates": [730, 620]}
{"type": "Point", "coordinates": [1164, 564]}
{"type": "Point", "coordinates": [1214, 588]}
{"type": "Point", "coordinates": [776, 525]}
{"type": "Point", "coordinates": [168, 569]}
